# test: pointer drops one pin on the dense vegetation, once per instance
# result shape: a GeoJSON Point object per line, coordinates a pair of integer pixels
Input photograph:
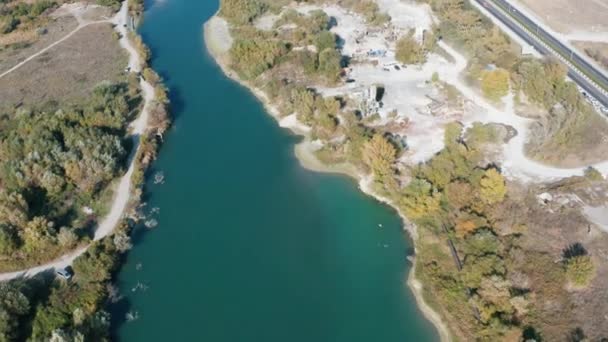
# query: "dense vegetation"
{"type": "Point", "coordinates": [43, 308]}
{"type": "Point", "coordinates": [309, 48]}
{"type": "Point", "coordinates": [15, 13]}
{"type": "Point", "coordinates": [474, 228]}
{"type": "Point", "coordinates": [242, 11]}
{"type": "Point", "coordinates": [57, 163]}
{"type": "Point", "coordinates": [53, 163]}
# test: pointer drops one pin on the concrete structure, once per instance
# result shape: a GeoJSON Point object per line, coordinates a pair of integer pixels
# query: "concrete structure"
{"type": "Point", "coordinates": [369, 102]}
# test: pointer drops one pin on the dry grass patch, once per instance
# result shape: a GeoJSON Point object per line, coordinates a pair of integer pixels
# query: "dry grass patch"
{"type": "Point", "coordinates": [68, 71]}
{"type": "Point", "coordinates": [596, 50]}
{"type": "Point", "coordinates": [558, 308]}
{"type": "Point", "coordinates": [18, 45]}
{"type": "Point", "coordinates": [567, 15]}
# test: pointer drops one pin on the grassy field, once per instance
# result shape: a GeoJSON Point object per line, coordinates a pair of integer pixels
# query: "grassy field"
{"type": "Point", "coordinates": [68, 71]}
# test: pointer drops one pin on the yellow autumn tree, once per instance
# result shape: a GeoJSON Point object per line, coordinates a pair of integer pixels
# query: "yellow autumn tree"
{"type": "Point", "coordinates": [495, 83]}
{"type": "Point", "coordinates": [419, 199]}
{"type": "Point", "coordinates": [493, 188]}
{"type": "Point", "coordinates": [379, 155]}
{"type": "Point", "coordinates": [467, 223]}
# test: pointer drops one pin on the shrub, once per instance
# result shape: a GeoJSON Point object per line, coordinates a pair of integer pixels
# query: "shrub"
{"type": "Point", "coordinates": [593, 174]}
{"type": "Point", "coordinates": [242, 11]}
{"type": "Point", "coordinates": [409, 51]}
{"type": "Point", "coordinates": [495, 83]}
{"type": "Point", "coordinates": [580, 270]}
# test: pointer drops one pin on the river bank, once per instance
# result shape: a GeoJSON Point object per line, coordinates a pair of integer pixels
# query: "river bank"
{"type": "Point", "coordinates": [217, 40]}
{"type": "Point", "coordinates": [123, 198]}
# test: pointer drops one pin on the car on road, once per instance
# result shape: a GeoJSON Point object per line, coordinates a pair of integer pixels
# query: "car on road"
{"type": "Point", "coordinates": [64, 273]}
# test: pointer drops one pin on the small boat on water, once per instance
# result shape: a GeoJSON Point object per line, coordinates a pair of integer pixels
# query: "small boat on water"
{"type": "Point", "coordinates": [151, 223]}
{"type": "Point", "coordinates": [159, 178]}
{"type": "Point", "coordinates": [131, 316]}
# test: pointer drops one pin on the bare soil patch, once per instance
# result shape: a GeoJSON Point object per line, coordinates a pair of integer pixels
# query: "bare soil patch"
{"type": "Point", "coordinates": [68, 71]}
{"type": "Point", "coordinates": [551, 228]}
{"type": "Point", "coordinates": [571, 15]}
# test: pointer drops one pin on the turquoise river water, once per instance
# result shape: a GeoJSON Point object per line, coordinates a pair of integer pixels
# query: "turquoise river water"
{"type": "Point", "coordinates": [251, 247]}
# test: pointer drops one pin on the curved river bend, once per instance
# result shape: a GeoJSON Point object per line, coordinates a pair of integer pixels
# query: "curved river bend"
{"type": "Point", "coordinates": [250, 247]}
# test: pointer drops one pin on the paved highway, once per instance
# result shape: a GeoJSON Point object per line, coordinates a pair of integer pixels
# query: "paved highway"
{"type": "Point", "coordinates": [583, 73]}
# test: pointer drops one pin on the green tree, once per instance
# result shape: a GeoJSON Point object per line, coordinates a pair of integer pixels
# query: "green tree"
{"type": "Point", "coordinates": [325, 40]}
{"type": "Point", "coordinates": [493, 188]}
{"type": "Point", "coordinates": [493, 300]}
{"type": "Point", "coordinates": [420, 200]}
{"type": "Point", "coordinates": [251, 57]}
{"type": "Point", "coordinates": [593, 174]}
{"type": "Point", "coordinates": [13, 306]}
{"type": "Point", "coordinates": [14, 209]}
{"type": "Point", "coordinates": [476, 268]}
{"type": "Point", "coordinates": [8, 24]}
{"type": "Point", "coordinates": [242, 11]}
{"type": "Point", "coordinates": [495, 83]}
{"type": "Point", "coordinates": [370, 10]}
{"type": "Point", "coordinates": [304, 104]}
{"type": "Point", "coordinates": [330, 64]}
{"type": "Point", "coordinates": [379, 155]}
{"type": "Point", "coordinates": [8, 239]}
{"type": "Point", "coordinates": [409, 51]}
{"type": "Point", "coordinates": [38, 234]}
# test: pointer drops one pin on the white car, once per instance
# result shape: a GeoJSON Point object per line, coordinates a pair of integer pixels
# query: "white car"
{"type": "Point", "coordinates": [65, 273]}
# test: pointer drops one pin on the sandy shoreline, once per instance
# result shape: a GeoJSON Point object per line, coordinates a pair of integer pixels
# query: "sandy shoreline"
{"type": "Point", "coordinates": [214, 34]}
